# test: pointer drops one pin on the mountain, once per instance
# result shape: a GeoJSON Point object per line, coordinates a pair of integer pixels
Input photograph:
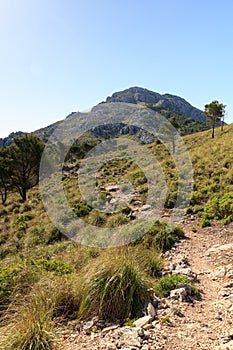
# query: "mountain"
{"type": "Point", "coordinates": [166, 101]}
{"type": "Point", "coordinates": [190, 118]}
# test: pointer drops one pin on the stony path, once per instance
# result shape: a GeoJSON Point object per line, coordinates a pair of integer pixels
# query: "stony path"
{"type": "Point", "coordinates": [209, 322]}
{"type": "Point", "coordinates": [203, 324]}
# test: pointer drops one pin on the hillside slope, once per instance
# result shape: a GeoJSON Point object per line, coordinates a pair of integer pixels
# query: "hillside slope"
{"type": "Point", "coordinates": [190, 119]}
{"type": "Point", "coordinates": [47, 279]}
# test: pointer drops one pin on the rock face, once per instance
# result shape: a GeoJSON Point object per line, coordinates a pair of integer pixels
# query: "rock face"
{"type": "Point", "coordinates": [6, 141]}
{"type": "Point", "coordinates": [167, 101]}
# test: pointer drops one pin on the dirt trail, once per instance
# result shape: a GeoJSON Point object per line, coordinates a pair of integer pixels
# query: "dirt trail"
{"type": "Point", "coordinates": [203, 324]}
{"type": "Point", "coordinates": [208, 322]}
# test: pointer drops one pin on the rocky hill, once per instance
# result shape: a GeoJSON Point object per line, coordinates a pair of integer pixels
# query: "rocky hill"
{"type": "Point", "coordinates": [188, 117]}
{"type": "Point", "coordinates": [6, 141]}
{"type": "Point", "coordinates": [166, 101]}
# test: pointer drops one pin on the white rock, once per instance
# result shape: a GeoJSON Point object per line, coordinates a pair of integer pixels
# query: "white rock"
{"type": "Point", "coordinates": [187, 287]}
{"type": "Point", "coordinates": [151, 310]}
{"type": "Point", "coordinates": [108, 329]}
{"type": "Point", "coordinates": [227, 346]}
{"type": "Point", "coordinates": [142, 321]}
{"type": "Point", "coordinates": [178, 294]}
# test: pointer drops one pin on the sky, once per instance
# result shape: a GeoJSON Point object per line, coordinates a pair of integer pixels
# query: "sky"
{"type": "Point", "coordinates": [60, 56]}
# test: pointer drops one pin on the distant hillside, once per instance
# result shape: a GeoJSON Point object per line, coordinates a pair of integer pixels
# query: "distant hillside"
{"type": "Point", "coordinates": [6, 141]}
{"type": "Point", "coordinates": [189, 118]}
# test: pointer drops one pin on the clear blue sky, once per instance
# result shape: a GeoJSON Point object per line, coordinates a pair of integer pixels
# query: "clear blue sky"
{"type": "Point", "coordinates": [59, 56]}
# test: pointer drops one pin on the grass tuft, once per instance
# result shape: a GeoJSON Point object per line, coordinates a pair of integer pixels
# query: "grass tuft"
{"type": "Point", "coordinates": [114, 289]}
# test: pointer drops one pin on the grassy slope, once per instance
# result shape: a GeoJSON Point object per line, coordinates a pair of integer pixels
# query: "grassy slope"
{"type": "Point", "coordinates": [213, 173]}
{"type": "Point", "coordinates": [35, 255]}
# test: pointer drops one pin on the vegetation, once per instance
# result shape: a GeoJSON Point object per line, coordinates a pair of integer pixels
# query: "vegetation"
{"type": "Point", "coordinates": [186, 125]}
{"type": "Point", "coordinates": [4, 174]}
{"type": "Point", "coordinates": [19, 165]}
{"type": "Point", "coordinates": [161, 236]}
{"type": "Point", "coordinates": [214, 113]}
{"type": "Point", "coordinates": [167, 283]}
{"type": "Point", "coordinates": [46, 279]}
{"type": "Point", "coordinates": [114, 289]}
{"type": "Point", "coordinates": [213, 184]}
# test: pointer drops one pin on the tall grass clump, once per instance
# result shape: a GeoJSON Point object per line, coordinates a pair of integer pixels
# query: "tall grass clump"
{"type": "Point", "coordinates": [115, 288]}
{"type": "Point", "coordinates": [149, 260]}
{"type": "Point", "coordinates": [161, 236]}
{"type": "Point", "coordinates": [30, 327]}
{"type": "Point", "coordinates": [30, 323]}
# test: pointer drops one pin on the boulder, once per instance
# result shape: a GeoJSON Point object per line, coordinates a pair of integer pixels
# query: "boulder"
{"type": "Point", "coordinates": [151, 310]}
{"type": "Point", "coordinates": [142, 321]}
{"type": "Point", "coordinates": [187, 287]}
{"type": "Point", "coordinates": [178, 294]}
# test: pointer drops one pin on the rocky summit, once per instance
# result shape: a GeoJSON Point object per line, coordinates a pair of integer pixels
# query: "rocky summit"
{"type": "Point", "coordinates": [166, 101]}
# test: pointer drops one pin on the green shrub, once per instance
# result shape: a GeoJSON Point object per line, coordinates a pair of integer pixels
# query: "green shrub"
{"type": "Point", "coordinates": [118, 219]}
{"type": "Point", "coordinates": [193, 229]}
{"type": "Point", "coordinates": [19, 278]}
{"type": "Point", "coordinates": [53, 266]}
{"type": "Point", "coordinates": [96, 218]}
{"type": "Point", "coordinates": [21, 222]}
{"type": "Point", "coordinates": [226, 205]}
{"type": "Point", "coordinates": [205, 222]}
{"type": "Point", "coordinates": [227, 220]}
{"type": "Point", "coordinates": [82, 209]}
{"type": "Point", "coordinates": [7, 275]}
{"type": "Point", "coordinates": [161, 236]}
{"type": "Point", "coordinates": [15, 280]}
{"type": "Point", "coordinates": [167, 283]}
{"type": "Point", "coordinates": [220, 208]}
{"type": "Point", "coordinates": [171, 199]}
{"type": "Point", "coordinates": [138, 178]}
{"type": "Point", "coordinates": [197, 209]}
{"type": "Point", "coordinates": [165, 320]}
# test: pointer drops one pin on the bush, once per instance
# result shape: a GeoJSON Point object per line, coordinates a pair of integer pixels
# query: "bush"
{"type": "Point", "coordinates": [161, 236]}
{"type": "Point", "coordinates": [82, 209]}
{"type": "Point", "coordinates": [117, 220]}
{"type": "Point", "coordinates": [15, 280]}
{"type": "Point", "coordinates": [205, 222]}
{"type": "Point", "coordinates": [53, 266]}
{"type": "Point", "coordinates": [114, 289]}
{"type": "Point", "coordinates": [96, 218]}
{"type": "Point", "coordinates": [220, 208]}
{"type": "Point", "coordinates": [21, 222]}
{"type": "Point", "coordinates": [63, 295]}
{"type": "Point", "coordinates": [227, 220]}
{"type": "Point", "coordinates": [167, 283]}
{"type": "Point", "coordinates": [18, 279]}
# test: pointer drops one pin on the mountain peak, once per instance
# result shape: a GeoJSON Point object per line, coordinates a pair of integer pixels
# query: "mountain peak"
{"type": "Point", "coordinates": [167, 101]}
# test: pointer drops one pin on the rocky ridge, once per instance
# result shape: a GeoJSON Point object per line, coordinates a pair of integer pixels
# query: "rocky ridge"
{"type": "Point", "coordinates": [133, 95]}
{"type": "Point", "coordinates": [166, 101]}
